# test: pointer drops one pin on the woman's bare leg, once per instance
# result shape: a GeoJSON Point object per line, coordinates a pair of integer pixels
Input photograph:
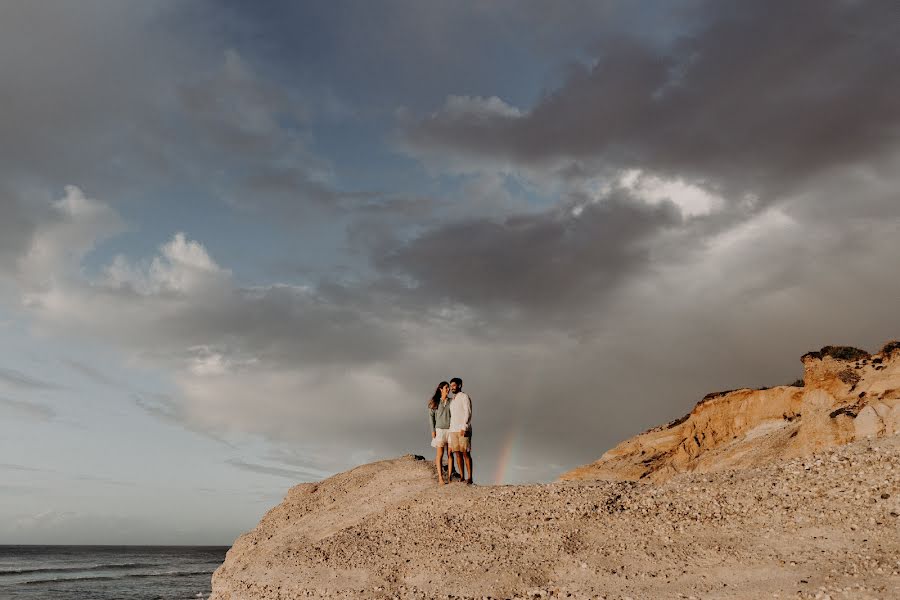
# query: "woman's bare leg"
{"type": "Point", "coordinates": [439, 455]}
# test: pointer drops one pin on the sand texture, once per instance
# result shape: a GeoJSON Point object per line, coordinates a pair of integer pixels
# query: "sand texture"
{"type": "Point", "coordinates": [790, 492]}
{"type": "Point", "coordinates": [824, 526]}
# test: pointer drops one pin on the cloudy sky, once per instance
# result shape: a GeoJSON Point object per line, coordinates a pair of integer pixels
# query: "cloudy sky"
{"type": "Point", "coordinates": [240, 245]}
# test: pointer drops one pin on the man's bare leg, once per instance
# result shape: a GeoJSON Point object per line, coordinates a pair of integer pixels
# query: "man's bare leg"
{"type": "Point", "coordinates": [467, 457]}
{"type": "Point", "coordinates": [460, 465]}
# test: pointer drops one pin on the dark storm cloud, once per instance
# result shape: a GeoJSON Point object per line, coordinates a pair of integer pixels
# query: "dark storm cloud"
{"type": "Point", "coordinates": [543, 263]}
{"type": "Point", "coordinates": [761, 96]}
{"type": "Point", "coordinates": [278, 324]}
{"type": "Point", "coordinates": [155, 101]}
{"type": "Point", "coordinates": [16, 227]}
{"type": "Point", "coordinates": [236, 109]}
{"type": "Point", "coordinates": [594, 316]}
{"type": "Point", "coordinates": [66, 85]}
{"type": "Point", "coordinates": [235, 117]}
{"type": "Point", "coordinates": [416, 51]}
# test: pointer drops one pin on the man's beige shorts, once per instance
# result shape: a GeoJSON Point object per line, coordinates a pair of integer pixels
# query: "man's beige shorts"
{"type": "Point", "coordinates": [460, 441]}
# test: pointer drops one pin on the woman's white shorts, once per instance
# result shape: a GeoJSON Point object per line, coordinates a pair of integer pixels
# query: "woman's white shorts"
{"type": "Point", "coordinates": [441, 438]}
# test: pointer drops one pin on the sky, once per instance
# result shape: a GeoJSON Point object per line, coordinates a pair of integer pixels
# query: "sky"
{"type": "Point", "coordinates": [241, 243]}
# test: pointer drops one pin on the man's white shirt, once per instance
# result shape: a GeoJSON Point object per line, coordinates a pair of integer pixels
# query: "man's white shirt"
{"type": "Point", "coordinates": [460, 412]}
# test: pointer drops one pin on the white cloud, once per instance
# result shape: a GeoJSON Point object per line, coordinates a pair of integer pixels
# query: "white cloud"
{"type": "Point", "coordinates": [183, 267]}
{"type": "Point", "coordinates": [58, 247]}
{"type": "Point", "coordinates": [245, 360]}
{"type": "Point", "coordinates": [693, 200]}
{"type": "Point", "coordinates": [458, 113]}
{"type": "Point", "coordinates": [286, 401]}
{"type": "Point", "coordinates": [132, 298]}
{"type": "Point", "coordinates": [459, 107]}
{"type": "Point", "coordinates": [344, 372]}
{"type": "Point", "coordinates": [206, 361]}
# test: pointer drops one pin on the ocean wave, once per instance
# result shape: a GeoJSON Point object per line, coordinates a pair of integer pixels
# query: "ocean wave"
{"type": "Point", "coordinates": [117, 577]}
{"type": "Point", "coordinates": [101, 567]}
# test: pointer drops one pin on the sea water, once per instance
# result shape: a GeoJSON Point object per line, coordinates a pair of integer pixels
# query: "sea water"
{"type": "Point", "coordinates": [107, 572]}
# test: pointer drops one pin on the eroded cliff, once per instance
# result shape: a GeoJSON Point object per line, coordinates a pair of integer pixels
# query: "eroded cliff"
{"type": "Point", "coordinates": [815, 527]}
{"type": "Point", "coordinates": [847, 394]}
{"type": "Point", "coordinates": [824, 525]}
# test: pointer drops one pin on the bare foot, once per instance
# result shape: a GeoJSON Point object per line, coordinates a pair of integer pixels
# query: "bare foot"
{"type": "Point", "coordinates": [440, 481]}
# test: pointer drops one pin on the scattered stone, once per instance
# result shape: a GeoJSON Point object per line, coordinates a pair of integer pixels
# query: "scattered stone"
{"type": "Point", "coordinates": [742, 497]}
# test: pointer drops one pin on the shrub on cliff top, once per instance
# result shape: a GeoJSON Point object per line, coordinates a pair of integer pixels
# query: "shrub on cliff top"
{"type": "Point", "coordinates": [839, 353]}
{"type": "Point", "coordinates": [713, 395]}
{"type": "Point", "coordinates": [890, 347]}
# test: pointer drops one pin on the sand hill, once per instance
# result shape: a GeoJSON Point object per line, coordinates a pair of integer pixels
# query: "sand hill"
{"type": "Point", "coordinates": [824, 525]}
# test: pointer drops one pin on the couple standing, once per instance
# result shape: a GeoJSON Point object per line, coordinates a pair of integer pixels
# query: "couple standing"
{"type": "Point", "coordinates": [450, 410]}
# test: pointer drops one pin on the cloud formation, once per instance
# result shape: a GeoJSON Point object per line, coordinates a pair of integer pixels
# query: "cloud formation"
{"type": "Point", "coordinates": [758, 98]}
{"type": "Point", "coordinates": [544, 264]}
{"type": "Point", "coordinates": [675, 211]}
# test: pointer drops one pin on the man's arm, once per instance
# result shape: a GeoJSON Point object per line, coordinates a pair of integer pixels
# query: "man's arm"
{"type": "Point", "coordinates": [468, 410]}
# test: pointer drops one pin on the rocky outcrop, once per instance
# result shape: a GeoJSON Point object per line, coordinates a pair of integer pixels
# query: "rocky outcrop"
{"type": "Point", "coordinates": [817, 527]}
{"type": "Point", "coordinates": [697, 508]}
{"type": "Point", "coordinates": [846, 395]}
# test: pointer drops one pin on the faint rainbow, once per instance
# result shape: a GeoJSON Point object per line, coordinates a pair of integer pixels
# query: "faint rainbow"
{"type": "Point", "coordinates": [507, 449]}
{"type": "Point", "coordinates": [519, 413]}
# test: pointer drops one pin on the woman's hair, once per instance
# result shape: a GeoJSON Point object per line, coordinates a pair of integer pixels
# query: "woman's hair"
{"type": "Point", "coordinates": [436, 397]}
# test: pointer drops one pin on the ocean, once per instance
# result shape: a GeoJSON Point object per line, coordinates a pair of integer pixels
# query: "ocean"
{"type": "Point", "coordinates": [107, 572]}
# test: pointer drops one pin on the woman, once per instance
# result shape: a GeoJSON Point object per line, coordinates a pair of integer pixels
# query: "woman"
{"type": "Point", "coordinates": [439, 413]}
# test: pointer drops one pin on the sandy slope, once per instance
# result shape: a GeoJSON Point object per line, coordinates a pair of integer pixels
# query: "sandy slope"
{"type": "Point", "coordinates": [815, 527]}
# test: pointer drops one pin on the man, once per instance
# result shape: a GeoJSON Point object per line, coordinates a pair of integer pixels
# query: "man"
{"type": "Point", "coordinates": [461, 429]}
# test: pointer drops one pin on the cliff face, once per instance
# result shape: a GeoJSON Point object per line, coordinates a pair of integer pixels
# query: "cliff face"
{"type": "Point", "coordinates": [823, 526]}
{"type": "Point", "coordinates": [812, 525]}
{"type": "Point", "coordinates": [847, 395]}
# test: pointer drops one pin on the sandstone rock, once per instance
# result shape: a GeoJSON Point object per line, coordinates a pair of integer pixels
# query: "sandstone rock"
{"type": "Point", "coordinates": [823, 524]}
{"type": "Point", "coordinates": [785, 492]}
{"type": "Point", "coordinates": [847, 395]}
